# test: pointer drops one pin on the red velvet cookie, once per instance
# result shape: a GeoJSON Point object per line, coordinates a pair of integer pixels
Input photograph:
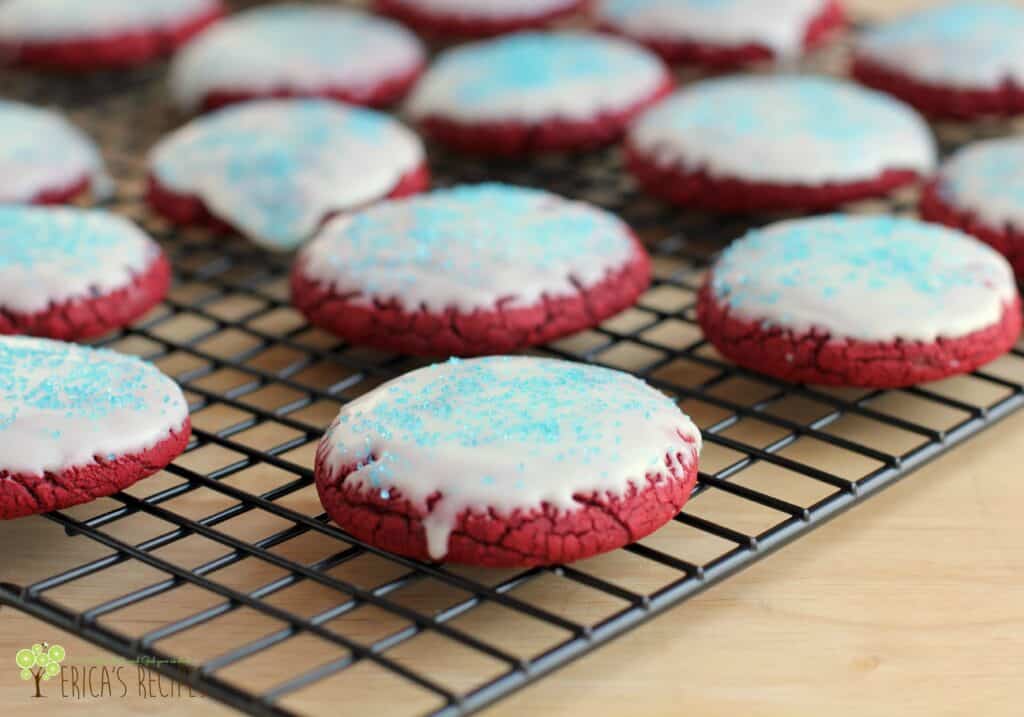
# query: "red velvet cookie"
{"type": "Point", "coordinates": [980, 190]}
{"type": "Point", "coordinates": [960, 60]}
{"type": "Point", "coordinates": [723, 34]}
{"type": "Point", "coordinates": [765, 143]}
{"type": "Point", "coordinates": [78, 423]}
{"type": "Point", "coordinates": [72, 274]}
{"type": "Point", "coordinates": [319, 51]}
{"type": "Point", "coordinates": [537, 92]}
{"type": "Point", "coordinates": [480, 18]}
{"type": "Point", "coordinates": [276, 169]}
{"type": "Point", "coordinates": [467, 271]}
{"type": "Point", "coordinates": [44, 159]}
{"type": "Point", "coordinates": [860, 301]}
{"type": "Point", "coordinates": [507, 461]}
{"type": "Point", "coordinates": [99, 34]}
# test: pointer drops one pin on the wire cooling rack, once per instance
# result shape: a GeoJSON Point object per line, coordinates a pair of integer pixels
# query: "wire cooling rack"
{"type": "Point", "coordinates": [224, 572]}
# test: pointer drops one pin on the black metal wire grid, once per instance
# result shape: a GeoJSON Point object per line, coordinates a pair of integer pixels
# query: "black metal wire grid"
{"type": "Point", "coordinates": [233, 527]}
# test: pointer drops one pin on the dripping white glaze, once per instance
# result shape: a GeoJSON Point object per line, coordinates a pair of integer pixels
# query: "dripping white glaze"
{"type": "Point", "coordinates": [506, 433]}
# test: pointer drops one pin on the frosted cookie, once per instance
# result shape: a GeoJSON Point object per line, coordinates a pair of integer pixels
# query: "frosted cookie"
{"type": "Point", "coordinates": [275, 169]}
{"type": "Point", "coordinates": [480, 18]}
{"type": "Point", "coordinates": [473, 270]}
{"type": "Point", "coordinates": [723, 34]}
{"type": "Point", "coordinates": [759, 143]}
{"type": "Point", "coordinates": [71, 274]}
{"type": "Point", "coordinates": [860, 301]}
{"type": "Point", "coordinates": [960, 60]}
{"type": "Point", "coordinates": [535, 92]}
{"type": "Point", "coordinates": [507, 461]}
{"type": "Point", "coordinates": [84, 35]}
{"type": "Point", "coordinates": [980, 190]}
{"type": "Point", "coordinates": [78, 424]}
{"type": "Point", "coordinates": [317, 50]}
{"type": "Point", "coordinates": [44, 159]}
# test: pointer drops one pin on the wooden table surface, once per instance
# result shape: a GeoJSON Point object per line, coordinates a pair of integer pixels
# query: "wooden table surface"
{"type": "Point", "coordinates": [912, 604]}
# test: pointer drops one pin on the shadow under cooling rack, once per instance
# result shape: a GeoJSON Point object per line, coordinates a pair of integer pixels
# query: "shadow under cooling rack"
{"type": "Point", "coordinates": [224, 570]}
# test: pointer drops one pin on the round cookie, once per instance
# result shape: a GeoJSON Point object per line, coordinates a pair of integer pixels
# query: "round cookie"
{"type": "Point", "coordinates": [78, 424]}
{"type": "Point", "coordinates": [98, 34]}
{"type": "Point", "coordinates": [72, 274]}
{"type": "Point", "coordinates": [537, 92]}
{"type": "Point", "coordinates": [980, 190]}
{"type": "Point", "coordinates": [473, 270]}
{"type": "Point", "coordinates": [764, 143]}
{"type": "Point", "coordinates": [961, 60]}
{"type": "Point", "coordinates": [507, 461]}
{"type": "Point", "coordinates": [44, 159]}
{"type": "Point", "coordinates": [723, 34]}
{"type": "Point", "coordinates": [275, 169]}
{"type": "Point", "coordinates": [481, 18]}
{"type": "Point", "coordinates": [878, 302]}
{"type": "Point", "coordinates": [318, 50]}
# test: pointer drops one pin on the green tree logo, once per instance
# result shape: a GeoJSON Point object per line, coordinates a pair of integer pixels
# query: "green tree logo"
{"type": "Point", "coordinates": [41, 663]}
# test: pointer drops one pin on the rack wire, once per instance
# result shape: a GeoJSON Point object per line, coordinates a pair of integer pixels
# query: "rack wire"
{"type": "Point", "coordinates": [233, 527]}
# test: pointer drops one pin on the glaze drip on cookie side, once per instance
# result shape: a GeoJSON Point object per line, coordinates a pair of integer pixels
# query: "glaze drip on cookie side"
{"type": "Point", "coordinates": [505, 434]}
{"type": "Point", "coordinates": [317, 48]}
{"type": "Point", "coordinates": [879, 279]}
{"type": "Point", "coordinates": [40, 151]}
{"type": "Point", "coordinates": [275, 169]}
{"type": "Point", "coordinates": [785, 129]}
{"type": "Point", "coordinates": [64, 405]}
{"type": "Point", "coordinates": [965, 44]}
{"type": "Point", "coordinates": [534, 76]}
{"type": "Point", "coordinates": [51, 255]}
{"type": "Point", "coordinates": [470, 247]}
{"type": "Point", "coordinates": [725, 22]}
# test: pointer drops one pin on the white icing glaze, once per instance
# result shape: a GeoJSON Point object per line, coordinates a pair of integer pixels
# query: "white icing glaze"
{"type": "Point", "coordinates": [965, 44]}
{"type": "Point", "coordinates": [52, 255]}
{"type": "Point", "coordinates": [300, 47]}
{"type": "Point", "coordinates": [41, 151]}
{"type": "Point", "coordinates": [727, 23]}
{"type": "Point", "coordinates": [468, 248]}
{"type": "Point", "coordinates": [785, 129]}
{"type": "Point", "coordinates": [537, 76]}
{"type": "Point", "coordinates": [62, 19]}
{"type": "Point", "coordinates": [865, 278]}
{"type": "Point", "coordinates": [506, 433]}
{"type": "Point", "coordinates": [275, 168]}
{"type": "Point", "coordinates": [987, 179]}
{"type": "Point", "coordinates": [63, 405]}
{"type": "Point", "coordinates": [489, 9]}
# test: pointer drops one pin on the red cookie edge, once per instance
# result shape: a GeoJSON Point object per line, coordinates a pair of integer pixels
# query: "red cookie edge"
{"type": "Point", "coordinates": [111, 51]}
{"type": "Point", "coordinates": [938, 100]}
{"type": "Point", "coordinates": [24, 494]}
{"type": "Point", "coordinates": [698, 189]}
{"type": "Point", "coordinates": [523, 538]}
{"type": "Point", "coordinates": [389, 325]}
{"type": "Point", "coordinates": [517, 139]}
{"type": "Point", "coordinates": [454, 26]}
{"type": "Point", "coordinates": [381, 94]}
{"type": "Point", "coordinates": [95, 315]}
{"type": "Point", "coordinates": [63, 194]}
{"type": "Point", "coordinates": [819, 30]}
{"type": "Point", "coordinates": [815, 358]}
{"type": "Point", "coordinates": [190, 210]}
{"type": "Point", "coordinates": [1008, 241]}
